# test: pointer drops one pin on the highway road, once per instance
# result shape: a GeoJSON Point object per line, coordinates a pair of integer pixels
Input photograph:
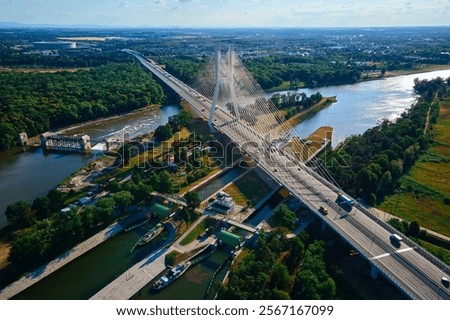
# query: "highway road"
{"type": "Point", "coordinates": [412, 269]}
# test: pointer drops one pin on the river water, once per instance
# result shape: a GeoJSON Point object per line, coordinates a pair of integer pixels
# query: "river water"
{"type": "Point", "coordinates": [363, 105]}
{"type": "Point", "coordinates": [27, 174]}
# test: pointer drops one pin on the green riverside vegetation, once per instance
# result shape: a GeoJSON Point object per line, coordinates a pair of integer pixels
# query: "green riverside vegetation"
{"type": "Point", "coordinates": [280, 268]}
{"type": "Point", "coordinates": [370, 165]}
{"type": "Point", "coordinates": [36, 102]}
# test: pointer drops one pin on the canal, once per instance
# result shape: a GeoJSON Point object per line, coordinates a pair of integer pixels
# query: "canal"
{"type": "Point", "coordinates": [89, 273]}
{"type": "Point", "coordinates": [24, 173]}
{"type": "Point", "coordinates": [264, 210]}
{"type": "Point", "coordinates": [219, 182]}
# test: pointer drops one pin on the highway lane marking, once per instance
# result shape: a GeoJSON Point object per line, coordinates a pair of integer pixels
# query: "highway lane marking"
{"type": "Point", "coordinates": [388, 254]}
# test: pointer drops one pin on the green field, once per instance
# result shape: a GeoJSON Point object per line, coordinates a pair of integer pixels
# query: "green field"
{"type": "Point", "coordinates": [252, 187]}
{"type": "Point", "coordinates": [442, 253]}
{"type": "Point", "coordinates": [236, 194]}
{"type": "Point", "coordinates": [427, 184]}
{"type": "Point", "coordinates": [198, 230]}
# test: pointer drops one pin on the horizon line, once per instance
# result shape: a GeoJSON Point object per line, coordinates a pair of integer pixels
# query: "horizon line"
{"type": "Point", "coordinates": [5, 25]}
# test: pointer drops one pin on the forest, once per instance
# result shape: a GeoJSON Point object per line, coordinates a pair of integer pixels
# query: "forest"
{"type": "Point", "coordinates": [370, 165]}
{"type": "Point", "coordinates": [271, 71]}
{"type": "Point", "coordinates": [38, 102]}
{"type": "Point", "coordinates": [280, 268]}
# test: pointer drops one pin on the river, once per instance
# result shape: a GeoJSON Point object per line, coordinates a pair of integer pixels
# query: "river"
{"type": "Point", "coordinates": [24, 175]}
{"type": "Point", "coordinates": [363, 105]}
{"type": "Point", "coordinates": [28, 174]}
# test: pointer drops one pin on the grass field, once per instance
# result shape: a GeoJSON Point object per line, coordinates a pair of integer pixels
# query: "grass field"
{"type": "Point", "coordinates": [236, 194]}
{"type": "Point", "coordinates": [4, 253]}
{"type": "Point", "coordinates": [252, 187]}
{"type": "Point", "coordinates": [439, 252]}
{"type": "Point", "coordinates": [427, 184]}
{"type": "Point", "coordinates": [198, 230]}
{"type": "Point", "coordinates": [428, 212]}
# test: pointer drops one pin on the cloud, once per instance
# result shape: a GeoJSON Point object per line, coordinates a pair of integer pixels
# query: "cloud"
{"type": "Point", "coordinates": [176, 8]}
{"type": "Point", "coordinates": [185, 1]}
{"type": "Point", "coordinates": [124, 4]}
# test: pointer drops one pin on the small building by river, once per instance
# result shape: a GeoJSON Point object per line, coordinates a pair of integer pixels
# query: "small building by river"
{"type": "Point", "coordinates": [229, 238]}
{"type": "Point", "coordinates": [160, 211]}
{"type": "Point", "coordinates": [57, 142]}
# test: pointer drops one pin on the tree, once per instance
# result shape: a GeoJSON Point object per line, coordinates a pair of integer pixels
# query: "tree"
{"type": "Point", "coordinates": [163, 132]}
{"type": "Point", "coordinates": [87, 216]}
{"type": "Point", "coordinates": [414, 229]}
{"type": "Point", "coordinates": [32, 244]}
{"type": "Point", "coordinates": [113, 186]}
{"type": "Point", "coordinates": [56, 199]}
{"type": "Point", "coordinates": [280, 277]}
{"type": "Point", "coordinates": [193, 200]}
{"type": "Point", "coordinates": [104, 209]}
{"type": "Point", "coordinates": [142, 192]}
{"type": "Point", "coordinates": [285, 217]}
{"type": "Point", "coordinates": [42, 207]}
{"type": "Point", "coordinates": [165, 182]}
{"type": "Point", "coordinates": [123, 199]}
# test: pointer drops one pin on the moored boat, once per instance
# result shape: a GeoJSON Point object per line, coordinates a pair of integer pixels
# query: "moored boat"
{"type": "Point", "coordinates": [151, 234]}
{"type": "Point", "coordinates": [171, 275]}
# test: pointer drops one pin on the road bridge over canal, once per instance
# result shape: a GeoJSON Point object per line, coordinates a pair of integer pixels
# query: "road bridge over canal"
{"type": "Point", "coordinates": [226, 94]}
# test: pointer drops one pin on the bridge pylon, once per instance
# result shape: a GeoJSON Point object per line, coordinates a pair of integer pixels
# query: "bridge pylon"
{"type": "Point", "coordinates": [224, 80]}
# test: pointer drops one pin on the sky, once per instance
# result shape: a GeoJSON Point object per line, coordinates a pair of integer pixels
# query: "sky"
{"type": "Point", "coordinates": [228, 13]}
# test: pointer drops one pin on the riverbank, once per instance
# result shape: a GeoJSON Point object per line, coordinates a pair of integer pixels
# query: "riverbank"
{"type": "Point", "coordinates": [305, 114]}
{"type": "Point", "coordinates": [423, 69]}
{"type": "Point", "coordinates": [57, 263]}
{"type": "Point", "coordinates": [287, 85]}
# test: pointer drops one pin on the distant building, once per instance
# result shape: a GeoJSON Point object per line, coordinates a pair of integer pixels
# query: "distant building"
{"type": "Point", "coordinates": [54, 45]}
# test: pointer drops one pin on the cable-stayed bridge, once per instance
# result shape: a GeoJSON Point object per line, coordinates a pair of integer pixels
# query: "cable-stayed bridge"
{"type": "Point", "coordinates": [227, 95]}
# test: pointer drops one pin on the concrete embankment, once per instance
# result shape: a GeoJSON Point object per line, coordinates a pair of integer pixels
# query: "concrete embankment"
{"type": "Point", "coordinates": [38, 274]}
{"type": "Point", "coordinates": [134, 279]}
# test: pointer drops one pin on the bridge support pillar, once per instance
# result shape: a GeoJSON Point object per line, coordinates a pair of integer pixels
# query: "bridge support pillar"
{"type": "Point", "coordinates": [374, 272]}
{"type": "Point", "coordinates": [324, 226]}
